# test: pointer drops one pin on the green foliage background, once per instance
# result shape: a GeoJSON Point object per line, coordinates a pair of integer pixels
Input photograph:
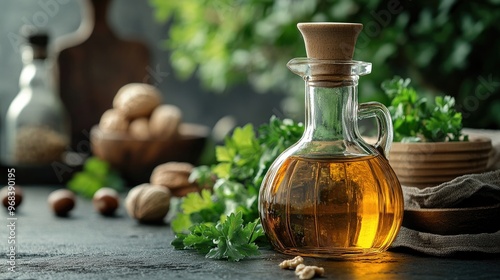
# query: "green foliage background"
{"type": "Point", "coordinates": [446, 47]}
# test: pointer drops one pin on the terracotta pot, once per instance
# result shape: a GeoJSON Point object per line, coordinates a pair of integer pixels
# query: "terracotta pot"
{"type": "Point", "coordinates": [429, 164]}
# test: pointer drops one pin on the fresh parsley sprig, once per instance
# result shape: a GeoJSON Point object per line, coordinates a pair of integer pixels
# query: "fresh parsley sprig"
{"type": "Point", "coordinates": [222, 220]}
{"type": "Point", "coordinates": [415, 119]}
{"type": "Point", "coordinates": [231, 239]}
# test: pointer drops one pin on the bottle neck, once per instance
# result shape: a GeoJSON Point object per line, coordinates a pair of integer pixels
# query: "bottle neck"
{"type": "Point", "coordinates": [35, 73]}
{"type": "Point", "coordinates": [33, 53]}
{"type": "Point", "coordinates": [331, 110]}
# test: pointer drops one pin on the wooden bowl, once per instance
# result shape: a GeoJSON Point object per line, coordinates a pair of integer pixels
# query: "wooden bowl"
{"type": "Point", "coordinates": [135, 158]}
{"type": "Point", "coordinates": [430, 164]}
{"type": "Point", "coordinates": [451, 221]}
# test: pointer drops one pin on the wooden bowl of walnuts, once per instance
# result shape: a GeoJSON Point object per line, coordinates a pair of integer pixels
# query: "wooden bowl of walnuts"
{"type": "Point", "coordinates": [140, 132]}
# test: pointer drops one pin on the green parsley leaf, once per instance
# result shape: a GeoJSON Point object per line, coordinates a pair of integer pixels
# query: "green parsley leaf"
{"type": "Point", "coordinates": [95, 174]}
{"type": "Point", "coordinates": [416, 120]}
{"type": "Point", "coordinates": [181, 222]}
{"type": "Point", "coordinates": [195, 202]}
{"type": "Point", "coordinates": [229, 240]}
{"type": "Point", "coordinates": [223, 224]}
{"type": "Point", "coordinates": [197, 208]}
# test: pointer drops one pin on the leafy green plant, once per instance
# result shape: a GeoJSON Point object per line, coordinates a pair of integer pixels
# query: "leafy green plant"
{"type": "Point", "coordinates": [222, 42]}
{"type": "Point", "coordinates": [210, 221]}
{"type": "Point", "coordinates": [445, 46]}
{"type": "Point", "coordinates": [415, 119]}
{"type": "Point", "coordinates": [95, 174]}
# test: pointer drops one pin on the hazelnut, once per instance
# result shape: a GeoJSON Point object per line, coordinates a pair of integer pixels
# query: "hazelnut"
{"type": "Point", "coordinates": [175, 177]}
{"type": "Point", "coordinates": [139, 128]}
{"type": "Point", "coordinates": [136, 100]}
{"type": "Point", "coordinates": [148, 203]}
{"type": "Point", "coordinates": [106, 201]}
{"type": "Point", "coordinates": [11, 191]}
{"type": "Point", "coordinates": [113, 120]}
{"type": "Point", "coordinates": [164, 122]}
{"type": "Point", "coordinates": [62, 201]}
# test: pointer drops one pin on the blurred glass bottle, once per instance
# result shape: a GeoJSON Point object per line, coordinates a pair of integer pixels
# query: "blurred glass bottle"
{"type": "Point", "coordinates": [36, 125]}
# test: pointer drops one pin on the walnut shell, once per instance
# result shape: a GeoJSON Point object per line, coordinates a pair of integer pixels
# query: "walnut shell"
{"type": "Point", "coordinates": [175, 177]}
{"type": "Point", "coordinates": [148, 203]}
{"type": "Point", "coordinates": [139, 128]}
{"type": "Point", "coordinates": [137, 100]}
{"type": "Point", "coordinates": [164, 122]}
{"type": "Point", "coordinates": [113, 120]}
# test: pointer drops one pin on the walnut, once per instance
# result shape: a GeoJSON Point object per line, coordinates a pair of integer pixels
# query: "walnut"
{"type": "Point", "coordinates": [308, 271]}
{"type": "Point", "coordinates": [113, 120]}
{"type": "Point", "coordinates": [302, 270]}
{"type": "Point", "coordinates": [164, 122]}
{"type": "Point", "coordinates": [148, 203]}
{"type": "Point", "coordinates": [139, 129]}
{"type": "Point", "coordinates": [291, 264]}
{"type": "Point", "coordinates": [136, 100]}
{"type": "Point", "coordinates": [174, 176]}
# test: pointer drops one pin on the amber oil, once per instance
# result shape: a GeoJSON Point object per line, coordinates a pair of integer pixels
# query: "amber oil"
{"type": "Point", "coordinates": [333, 207]}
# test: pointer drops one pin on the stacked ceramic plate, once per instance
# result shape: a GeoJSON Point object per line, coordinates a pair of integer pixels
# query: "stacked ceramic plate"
{"type": "Point", "coordinates": [430, 164]}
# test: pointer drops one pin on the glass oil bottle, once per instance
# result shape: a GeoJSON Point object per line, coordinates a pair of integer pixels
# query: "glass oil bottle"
{"type": "Point", "coordinates": [331, 194]}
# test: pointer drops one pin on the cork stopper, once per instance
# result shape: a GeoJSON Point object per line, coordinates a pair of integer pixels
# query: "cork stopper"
{"type": "Point", "coordinates": [329, 40]}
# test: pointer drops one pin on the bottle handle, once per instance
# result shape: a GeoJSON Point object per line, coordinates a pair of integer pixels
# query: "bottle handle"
{"type": "Point", "coordinates": [384, 123]}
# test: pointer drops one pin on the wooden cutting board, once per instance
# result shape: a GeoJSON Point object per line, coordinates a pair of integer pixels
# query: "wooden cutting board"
{"type": "Point", "coordinates": [93, 69]}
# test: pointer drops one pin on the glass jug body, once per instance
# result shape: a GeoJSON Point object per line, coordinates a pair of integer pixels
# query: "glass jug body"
{"type": "Point", "coordinates": [331, 194]}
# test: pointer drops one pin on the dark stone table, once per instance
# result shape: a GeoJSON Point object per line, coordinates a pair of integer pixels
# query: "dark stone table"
{"type": "Point", "coordinates": [86, 245]}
